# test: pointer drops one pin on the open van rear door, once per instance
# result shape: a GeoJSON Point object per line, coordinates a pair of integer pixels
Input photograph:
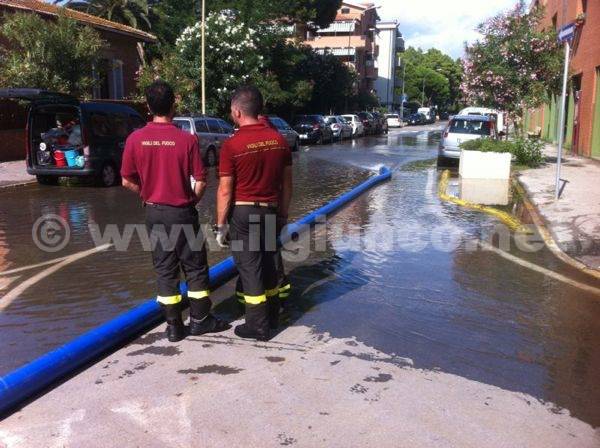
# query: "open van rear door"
{"type": "Point", "coordinates": [39, 96]}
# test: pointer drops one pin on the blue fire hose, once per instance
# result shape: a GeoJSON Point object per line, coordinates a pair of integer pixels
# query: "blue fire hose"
{"type": "Point", "coordinates": [34, 377]}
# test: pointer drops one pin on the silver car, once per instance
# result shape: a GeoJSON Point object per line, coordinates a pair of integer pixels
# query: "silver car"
{"type": "Point", "coordinates": [211, 132]}
{"type": "Point", "coordinates": [339, 127]}
{"type": "Point", "coordinates": [291, 136]}
{"type": "Point", "coordinates": [462, 128]}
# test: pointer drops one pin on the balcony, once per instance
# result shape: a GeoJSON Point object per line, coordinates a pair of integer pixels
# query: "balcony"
{"type": "Point", "coordinates": [344, 27]}
{"type": "Point", "coordinates": [356, 42]}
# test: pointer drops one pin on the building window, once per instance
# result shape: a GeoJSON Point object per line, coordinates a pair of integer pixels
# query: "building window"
{"type": "Point", "coordinates": [345, 10]}
{"type": "Point", "coordinates": [555, 20]}
{"type": "Point", "coordinates": [117, 89]}
{"type": "Point", "coordinates": [109, 80]}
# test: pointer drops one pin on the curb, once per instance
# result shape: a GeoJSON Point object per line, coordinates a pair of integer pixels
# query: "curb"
{"type": "Point", "coordinates": [18, 184]}
{"type": "Point", "coordinates": [546, 234]}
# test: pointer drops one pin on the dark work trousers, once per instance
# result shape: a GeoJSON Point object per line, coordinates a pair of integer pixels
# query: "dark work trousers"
{"type": "Point", "coordinates": [283, 282]}
{"type": "Point", "coordinates": [254, 247]}
{"type": "Point", "coordinates": [178, 246]}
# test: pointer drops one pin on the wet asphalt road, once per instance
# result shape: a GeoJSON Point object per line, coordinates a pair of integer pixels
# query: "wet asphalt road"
{"type": "Point", "coordinates": [415, 294]}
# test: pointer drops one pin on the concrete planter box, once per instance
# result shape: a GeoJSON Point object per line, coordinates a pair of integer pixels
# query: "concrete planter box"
{"type": "Point", "coordinates": [484, 165]}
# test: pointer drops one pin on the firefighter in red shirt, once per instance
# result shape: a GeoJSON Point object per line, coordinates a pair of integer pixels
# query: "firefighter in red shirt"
{"type": "Point", "coordinates": [158, 162]}
{"type": "Point", "coordinates": [255, 190]}
{"type": "Point", "coordinates": [284, 284]}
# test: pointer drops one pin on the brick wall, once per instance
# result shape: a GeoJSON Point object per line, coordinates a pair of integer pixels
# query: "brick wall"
{"type": "Point", "coordinates": [585, 61]}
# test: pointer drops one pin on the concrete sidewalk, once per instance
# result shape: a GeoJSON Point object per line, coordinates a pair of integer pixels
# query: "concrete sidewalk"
{"type": "Point", "coordinates": [14, 173]}
{"type": "Point", "coordinates": [573, 221]}
{"type": "Point", "coordinates": [303, 388]}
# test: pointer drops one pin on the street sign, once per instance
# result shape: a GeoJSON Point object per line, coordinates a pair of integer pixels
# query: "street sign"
{"type": "Point", "coordinates": [404, 98]}
{"type": "Point", "coordinates": [567, 32]}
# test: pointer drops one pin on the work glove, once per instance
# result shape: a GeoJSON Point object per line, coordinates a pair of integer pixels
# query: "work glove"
{"type": "Point", "coordinates": [222, 235]}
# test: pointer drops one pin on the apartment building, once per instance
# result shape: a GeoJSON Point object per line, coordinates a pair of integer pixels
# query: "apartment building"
{"type": "Point", "coordinates": [389, 42]}
{"type": "Point", "coordinates": [352, 38]}
{"type": "Point", "coordinates": [582, 132]}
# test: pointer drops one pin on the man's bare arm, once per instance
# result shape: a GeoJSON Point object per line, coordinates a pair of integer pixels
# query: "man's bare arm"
{"type": "Point", "coordinates": [131, 185]}
{"type": "Point", "coordinates": [224, 199]}
{"type": "Point", "coordinates": [285, 198]}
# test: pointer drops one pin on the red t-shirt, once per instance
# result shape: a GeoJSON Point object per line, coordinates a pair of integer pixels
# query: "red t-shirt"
{"type": "Point", "coordinates": [162, 158]}
{"type": "Point", "coordinates": [255, 157]}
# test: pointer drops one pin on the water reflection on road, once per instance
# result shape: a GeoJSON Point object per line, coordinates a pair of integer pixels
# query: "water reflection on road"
{"type": "Point", "coordinates": [418, 295]}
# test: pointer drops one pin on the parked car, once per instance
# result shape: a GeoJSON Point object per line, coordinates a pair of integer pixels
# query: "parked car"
{"type": "Point", "coordinates": [429, 113]}
{"type": "Point", "coordinates": [416, 119]}
{"type": "Point", "coordinates": [356, 123]}
{"type": "Point", "coordinates": [393, 121]}
{"type": "Point", "coordinates": [211, 132]}
{"type": "Point", "coordinates": [313, 129]}
{"type": "Point", "coordinates": [462, 128]}
{"type": "Point", "coordinates": [368, 122]}
{"type": "Point", "coordinates": [381, 123]}
{"type": "Point", "coordinates": [291, 136]}
{"type": "Point", "coordinates": [66, 137]}
{"type": "Point", "coordinates": [339, 127]}
{"type": "Point", "coordinates": [497, 115]}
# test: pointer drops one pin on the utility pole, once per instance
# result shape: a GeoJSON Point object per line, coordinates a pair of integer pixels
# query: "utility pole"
{"type": "Point", "coordinates": [423, 95]}
{"type": "Point", "coordinates": [402, 99]}
{"type": "Point", "coordinates": [203, 75]}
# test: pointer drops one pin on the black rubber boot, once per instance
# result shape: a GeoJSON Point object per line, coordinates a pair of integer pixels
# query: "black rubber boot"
{"type": "Point", "coordinates": [201, 321]}
{"type": "Point", "coordinates": [175, 327]}
{"type": "Point", "coordinates": [257, 323]}
{"type": "Point", "coordinates": [274, 306]}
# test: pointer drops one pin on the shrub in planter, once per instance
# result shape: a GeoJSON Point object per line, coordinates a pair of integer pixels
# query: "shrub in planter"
{"type": "Point", "coordinates": [487, 145]}
{"type": "Point", "coordinates": [526, 151]}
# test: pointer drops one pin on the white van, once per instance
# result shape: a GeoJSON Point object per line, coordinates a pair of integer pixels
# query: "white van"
{"type": "Point", "coordinates": [429, 113]}
{"type": "Point", "coordinates": [497, 115]}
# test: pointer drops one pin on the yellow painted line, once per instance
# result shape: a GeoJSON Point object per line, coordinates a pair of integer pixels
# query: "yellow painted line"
{"type": "Point", "coordinates": [534, 267]}
{"type": "Point", "coordinates": [14, 293]}
{"type": "Point", "coordinates": [511, 222]}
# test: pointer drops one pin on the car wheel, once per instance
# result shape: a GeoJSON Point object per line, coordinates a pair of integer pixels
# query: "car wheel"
{"type": "Point", "coordinates": [108, 176]}
{"type": "Point", "coordinates": [296, 146]}
{"type": "Point", "coordinates": [211, 156]}
{"type": "Point", "coordinates": [320, 139]}
{"type": "Point", "coordinates": [47, 180]}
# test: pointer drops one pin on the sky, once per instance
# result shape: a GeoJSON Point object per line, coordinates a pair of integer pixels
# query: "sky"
{"type": "Point", "coordinates": [442, 24]}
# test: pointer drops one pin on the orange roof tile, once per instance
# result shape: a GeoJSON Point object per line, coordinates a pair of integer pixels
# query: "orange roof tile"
{"type": "Point", "coordinates": [97, 22]}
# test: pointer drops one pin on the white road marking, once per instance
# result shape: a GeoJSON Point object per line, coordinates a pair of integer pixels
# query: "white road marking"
{"type": "Point", "coordinates": [32, 266]}
{"type": "Point", "coordinates": [540, 269]}
{"type": "Point", "coordinates": [11, 295]}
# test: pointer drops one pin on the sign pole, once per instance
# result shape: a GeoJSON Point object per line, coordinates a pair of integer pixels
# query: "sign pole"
{"type": "Point", "coordinates": [561, 126]}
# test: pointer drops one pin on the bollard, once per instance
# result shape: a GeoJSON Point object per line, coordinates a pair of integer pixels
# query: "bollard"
{"type": "Point", "coordinates": [35, 377]}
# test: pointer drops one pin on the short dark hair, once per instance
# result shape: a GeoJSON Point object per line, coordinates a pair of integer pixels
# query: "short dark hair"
{"type": "Point", "coordinates": [249, 100]}
{"type": "Point", "coordinates": [160, 98]}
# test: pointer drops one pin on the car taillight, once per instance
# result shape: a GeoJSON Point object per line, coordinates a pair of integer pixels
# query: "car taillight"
{"type": "Point", "coordinates": [336, 126]}
{"type": "Point", "coordinates": [316, 127]}
{"type": "Point", "coordinates": [365, 121]}
{"type": "Point", "coordinates": [446, 132]}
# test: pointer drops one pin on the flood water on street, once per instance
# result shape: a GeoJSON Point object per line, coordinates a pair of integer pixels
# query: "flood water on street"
{"type": "Point", "coordinates": [437, 301]}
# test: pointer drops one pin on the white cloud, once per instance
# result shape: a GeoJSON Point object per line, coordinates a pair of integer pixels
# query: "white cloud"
{"type": "Point", "coordinates": [443, 24]}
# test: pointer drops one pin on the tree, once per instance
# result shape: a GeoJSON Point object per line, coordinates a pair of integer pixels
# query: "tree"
{"type": "Point", "coordinates": [515, 64]}
{"type": "Point", "coordinates": [232, 58]}
{"type": "Point", "coordinates": [319, 12]}
{"type": "Point", "coordinates": [55, 55]}
{"type": "Point", "coordinates": [134, 13]}
{"type": "Point", "coordinates": [430, 78]}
